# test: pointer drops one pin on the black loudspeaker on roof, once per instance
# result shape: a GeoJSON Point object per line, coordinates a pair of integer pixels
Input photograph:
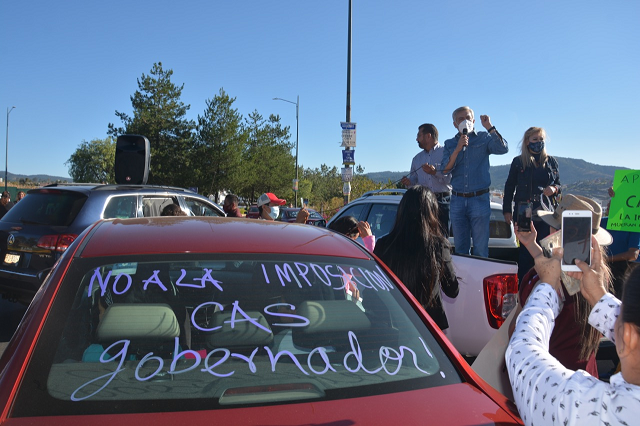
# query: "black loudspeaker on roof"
{"type": "Point", "coordinates": [132, 159]}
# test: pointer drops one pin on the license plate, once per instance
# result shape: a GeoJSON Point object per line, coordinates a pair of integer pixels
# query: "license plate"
{"type": "Point", "coordinates": [11, 259]}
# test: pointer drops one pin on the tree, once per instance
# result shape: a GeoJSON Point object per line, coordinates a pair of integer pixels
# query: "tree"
{"type": "Point", "coordinates": [326, 183]}
{"type": "Point", "coordinates": [159, 115]}
{"type": "Point", "coordinates": [360, 183]}
{"type": "Point", "coordinates": [268, 165]}
{"type": "Point", "coordinates": [93, 161]}
{"type": "Point", "coordinates": [219, 144]}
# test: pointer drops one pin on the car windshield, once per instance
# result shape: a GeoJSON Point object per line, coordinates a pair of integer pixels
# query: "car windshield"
{"type": "Point", "coordinates": [48, 207]}
{"type": "Point", "coordinates": [229, 330]}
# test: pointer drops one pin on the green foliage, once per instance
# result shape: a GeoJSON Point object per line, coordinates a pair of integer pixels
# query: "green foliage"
{"type": "Point", "coordinates": [159, 115]}
{"type": "Point", "coordinates": [267, 163]}
{"type": "Point", "coordinates": [93, 161]}
{"type": "Point", "coordinates": [218, 148]}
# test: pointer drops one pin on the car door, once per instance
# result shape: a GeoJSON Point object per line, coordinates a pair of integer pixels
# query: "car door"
{"type": "Point", "coordinates": [152, 205]}
{"type": "Point", "coordinates": [198, 207]}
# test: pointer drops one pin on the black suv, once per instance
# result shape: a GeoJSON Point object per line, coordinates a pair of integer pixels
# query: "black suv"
{"type": "Point", "coordinates": [37, 230]}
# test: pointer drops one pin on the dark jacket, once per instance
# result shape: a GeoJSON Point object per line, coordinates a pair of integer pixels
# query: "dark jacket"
{"type": "Point", "coordinates": [526, 188]}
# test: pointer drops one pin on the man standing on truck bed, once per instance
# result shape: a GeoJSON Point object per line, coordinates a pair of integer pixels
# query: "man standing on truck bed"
{"type": "Point", "coordinates": [466, 157]}
{"type": "Point", "coordinates": [426, 170]}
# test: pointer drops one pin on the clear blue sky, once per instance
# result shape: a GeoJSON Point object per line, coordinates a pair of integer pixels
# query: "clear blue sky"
{"type": "Point", "coordinates": [572, 67]}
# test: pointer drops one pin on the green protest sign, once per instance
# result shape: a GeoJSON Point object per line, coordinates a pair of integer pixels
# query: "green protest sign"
{"type": "Point", "coordinates": [624, 213]}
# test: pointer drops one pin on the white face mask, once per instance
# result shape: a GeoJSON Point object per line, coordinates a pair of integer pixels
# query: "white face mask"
{"type": "Point", "coordinates": [466, 124]}
{"type": "Point", "coordinates": [275, 211]}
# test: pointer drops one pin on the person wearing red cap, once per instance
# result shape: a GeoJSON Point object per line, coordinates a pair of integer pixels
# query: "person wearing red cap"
{"type": "Point", "coordinates": [269, 206]}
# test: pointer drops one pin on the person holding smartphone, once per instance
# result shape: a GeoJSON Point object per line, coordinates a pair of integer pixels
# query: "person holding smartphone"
{"type": "Point", "coordinates": [547, 392]}
{"type": "Point", "coordinates": [574, 341]}
{"type": "Point", "coordinates": [535, 180]}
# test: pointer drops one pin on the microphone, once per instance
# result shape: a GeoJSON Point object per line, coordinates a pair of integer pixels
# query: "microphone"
{"type": "Point", "coordinates": [464, 132]}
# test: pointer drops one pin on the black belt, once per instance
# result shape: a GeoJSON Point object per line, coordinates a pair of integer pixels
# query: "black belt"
{"type": "Point", "coordinates": [470, 194]}
{"type": "Point", "coordinates": [442, 195]}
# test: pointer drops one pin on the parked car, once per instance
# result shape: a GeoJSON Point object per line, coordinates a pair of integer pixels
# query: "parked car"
{"type": "Point", "coordinates": [379, 208]}
{"type": "Point", "coordinates": [35, 232]}
{"type": "Point", "coordinates": [488, 287]}
{"type": "Point", "coordinates": [145, 321]}
{"type": "Point", "coordinates": [289, 214]}
{"type": "Point", "coordinates": [253, 212]}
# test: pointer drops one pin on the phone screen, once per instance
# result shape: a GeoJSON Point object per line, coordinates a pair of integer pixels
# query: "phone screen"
{"type": "Point", "coordinates": [524, 216]}
{"type": "Point", "coordinates": [576, 239]}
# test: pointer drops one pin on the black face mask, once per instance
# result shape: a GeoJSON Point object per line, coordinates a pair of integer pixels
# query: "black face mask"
{"type": "Point", "coordinates": [536, 147]}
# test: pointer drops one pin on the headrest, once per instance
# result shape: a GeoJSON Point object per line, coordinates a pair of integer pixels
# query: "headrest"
{"type": "Point", "coordinates": [138, 321]}
{"type": "Point", "coordinates": [244, 333]}
{"type": "Point", "coordinates": [332, 316]}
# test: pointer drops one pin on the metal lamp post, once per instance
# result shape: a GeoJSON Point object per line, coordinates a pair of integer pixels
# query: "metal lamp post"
{"type": "Point", "coordinates": [297, 104]}
{"type": "Point", "coordinates": [6, 158]}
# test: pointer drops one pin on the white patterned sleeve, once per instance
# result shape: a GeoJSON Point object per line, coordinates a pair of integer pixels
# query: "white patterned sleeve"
{"type": "Point", "coordinates": [539, 382]}
{"type": "Point", "coordinates": [604, 314]}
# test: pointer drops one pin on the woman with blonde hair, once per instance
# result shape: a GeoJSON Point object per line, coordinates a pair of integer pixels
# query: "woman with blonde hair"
{"type": "Point", "coordinates": [534, 178]}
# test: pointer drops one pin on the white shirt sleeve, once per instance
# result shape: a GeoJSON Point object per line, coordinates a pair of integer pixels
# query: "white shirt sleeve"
{"type": "Point", "coordinates": [547, 393]}
{"type": "Point", "coordinates": [604, 315]}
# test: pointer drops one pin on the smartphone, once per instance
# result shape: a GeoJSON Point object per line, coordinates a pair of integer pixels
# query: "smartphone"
{"type": "Point", "coordinates": [524, 216]}
{"type": "Point", "coordinates": [576, 238]}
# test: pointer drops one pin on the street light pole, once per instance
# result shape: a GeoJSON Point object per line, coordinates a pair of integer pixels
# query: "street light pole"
{"type": "Point", "coordinates": [6, 158]}
{"type": "Point", "coordinates": [297, 104]}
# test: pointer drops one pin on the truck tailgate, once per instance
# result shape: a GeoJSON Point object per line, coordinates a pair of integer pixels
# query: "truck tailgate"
{"type": "Point", "coordinates": [469, 328]}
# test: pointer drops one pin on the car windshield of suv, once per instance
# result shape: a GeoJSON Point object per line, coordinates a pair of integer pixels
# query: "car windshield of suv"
{"type": "Point", "coordinates": [226, 330]}
{"type": "Point", "coordinates": [47, 207]}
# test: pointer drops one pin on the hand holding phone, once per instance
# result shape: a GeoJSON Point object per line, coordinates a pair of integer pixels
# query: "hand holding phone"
{"type": "Point", "coordinates": [525, 210]}
{"type": "Point", "coordinates": [576, 238]}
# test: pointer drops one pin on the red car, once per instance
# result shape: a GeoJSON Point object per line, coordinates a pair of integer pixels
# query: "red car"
{"type": "Point", "coordinates": [253, 212]}
{"type": "Point", "coordinates": [185, 320]}
{"type": "Point", "coordinates": [289, 214]}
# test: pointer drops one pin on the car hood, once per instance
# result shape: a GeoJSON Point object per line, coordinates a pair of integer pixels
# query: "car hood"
{"type": "Point", "coordinates": [459, 404]}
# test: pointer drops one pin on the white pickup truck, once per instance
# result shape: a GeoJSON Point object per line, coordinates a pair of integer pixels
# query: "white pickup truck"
{"type": "Point", "coordinates": [488, 293]}
{"type": "Point", "coordinates": [488, 286]}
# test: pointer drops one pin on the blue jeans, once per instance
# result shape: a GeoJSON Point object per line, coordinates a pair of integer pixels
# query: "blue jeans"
{"type": "Point", "coordinates": [470, 219]}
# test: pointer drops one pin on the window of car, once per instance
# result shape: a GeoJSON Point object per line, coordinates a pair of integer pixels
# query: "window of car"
{"type": "Point", "coordinates": [356, 210]}
{"type": "Point", "coordinates": [121, 207]}
{"type": "Point", "coordinates": [193, 332]}
{"type": "Point", "coordinates": [498, 228]}
{"type": "Point", "coordinates": [152, 205]}
{"type": "Point", "coordinates": [199, 208]}
{"type": "Point", "coordinates": [381, 218]}
{"type": "Point", "coordinates": [47, 207]}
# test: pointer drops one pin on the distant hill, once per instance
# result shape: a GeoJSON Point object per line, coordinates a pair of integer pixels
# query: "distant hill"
{"type": "Point", "coordinates": [577, 177]}
{"type": "Point", "coordinates": [12, 177]}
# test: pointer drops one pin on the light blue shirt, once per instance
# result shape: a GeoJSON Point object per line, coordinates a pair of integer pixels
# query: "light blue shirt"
{"type": "Point", "coordinates": [470, 172]}
{"type": "Point", "coordinates": [438, 182]}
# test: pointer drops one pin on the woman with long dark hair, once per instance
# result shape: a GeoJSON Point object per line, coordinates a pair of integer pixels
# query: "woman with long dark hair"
{"type": "Point", "coordinates": [418, 253]}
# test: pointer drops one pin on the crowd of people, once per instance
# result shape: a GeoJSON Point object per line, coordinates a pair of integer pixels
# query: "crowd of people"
{"type": "Point", "coordinates": [551, 357]}
{"type": "Point", "coordinates": [6, 204]}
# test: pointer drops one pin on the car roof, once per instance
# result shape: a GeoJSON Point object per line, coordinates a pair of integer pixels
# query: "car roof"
{"type": "Point", "coordinates": [86, 187]}
{"type": "Point", "coordinates": [159, 235]}
{"type": "Point", "coordinates": [395, 195]}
